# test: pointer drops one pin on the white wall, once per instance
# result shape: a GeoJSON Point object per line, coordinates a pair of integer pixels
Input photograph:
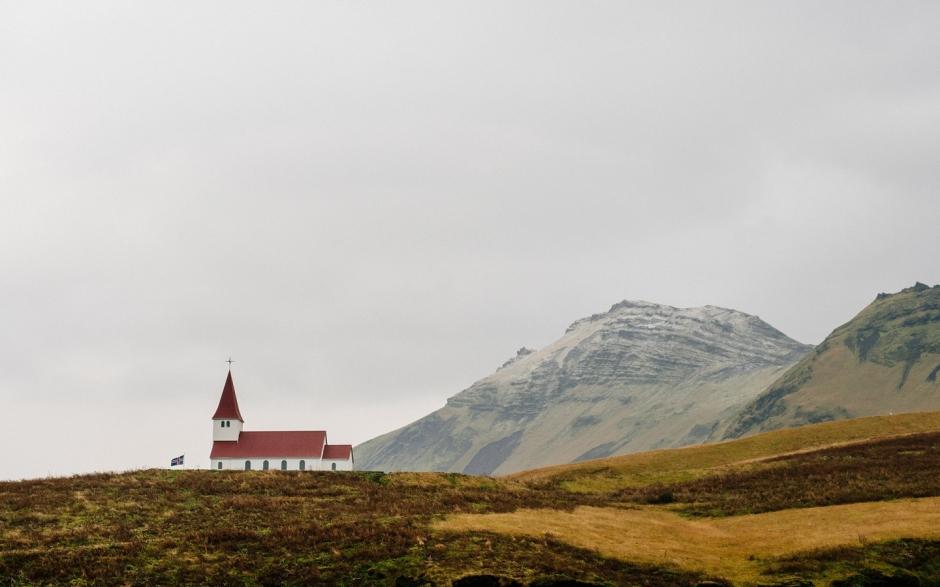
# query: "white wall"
{"type": "Point", "coordinates": [227, 433]}
{"type": "Point", "coordinates": [312, 464]}
{"type": "Point", "coordinates": [327, 465]}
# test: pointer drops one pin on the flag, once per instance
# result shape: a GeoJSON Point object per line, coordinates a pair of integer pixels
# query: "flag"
{"type": "Point", "coordinates": [177, 461]}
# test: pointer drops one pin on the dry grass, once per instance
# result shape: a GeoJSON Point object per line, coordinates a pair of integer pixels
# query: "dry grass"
{"type": "Point", "coordinates": [891, 468]}
{"type": "Point", "coordinates": [279, 528]}
{"type": "Point", "coordinates": [736, 548]}
{"type": "Point", "coordinates": [192, 527]}
{"type": "Point", "coordinates": [685, 464]}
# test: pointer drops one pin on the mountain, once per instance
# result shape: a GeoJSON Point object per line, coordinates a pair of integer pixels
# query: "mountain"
{"type": "Point", "coordinates": [637, 377]}
{"type": "Point", "coordinates": [885, 360]}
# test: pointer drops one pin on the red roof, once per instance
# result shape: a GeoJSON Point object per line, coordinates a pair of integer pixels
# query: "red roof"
{"type": "Point", "coordinates": [228, 403]}
{"type": "Point", "coordinates": [339, 452]}
{"type": "Point", "coordinates": [271, 444]}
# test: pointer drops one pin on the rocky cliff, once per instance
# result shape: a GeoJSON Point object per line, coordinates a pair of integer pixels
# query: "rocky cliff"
{"type": "Point", "coordinates": [637, 377]}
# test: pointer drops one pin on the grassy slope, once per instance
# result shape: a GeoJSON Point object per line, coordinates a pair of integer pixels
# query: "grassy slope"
{"type": "Point", "coordinates": [886, 359]}
{"type": "Point", "coordinates": [224, 528]}
{"type": "Point", "coordinates": [683, 464]}
{"type": "Point", "coordinates": [739, 548]}
{"type": "Point", "coordinates": [763, 490]}
{"type": "Point", "coordinates": [205, 527]}
{"type": "Point", "coordinates": [891, 468]}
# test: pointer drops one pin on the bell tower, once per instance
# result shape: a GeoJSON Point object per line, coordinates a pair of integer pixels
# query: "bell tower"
{"type": "Point", "coordinates": [227, 422]}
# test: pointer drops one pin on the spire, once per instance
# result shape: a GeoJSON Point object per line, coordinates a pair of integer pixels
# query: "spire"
{"type": "Point", "coordinates": [228, 403]}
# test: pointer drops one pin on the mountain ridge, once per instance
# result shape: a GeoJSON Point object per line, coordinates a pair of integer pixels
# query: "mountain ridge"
{"type": "Point", "coordinates": [631, 378]}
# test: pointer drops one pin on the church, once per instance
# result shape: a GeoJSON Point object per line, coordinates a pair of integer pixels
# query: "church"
{"type": "Point", "coordinates": [301, 450]}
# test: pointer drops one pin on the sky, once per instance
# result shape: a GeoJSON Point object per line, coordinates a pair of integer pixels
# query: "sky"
{"type": "Point", "coordinates": [369, 206]}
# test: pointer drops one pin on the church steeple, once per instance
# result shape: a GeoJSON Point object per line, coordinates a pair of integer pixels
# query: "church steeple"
{"type": "Point", "coordinates": [227, 421]}
{"type": "Point", "coordinates": [228, 403]}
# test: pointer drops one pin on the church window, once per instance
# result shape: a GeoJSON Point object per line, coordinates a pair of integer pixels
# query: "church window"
{"type": "Point", "coordinates": [334, 466]}
{"type": "Point", "coordinates": [303, 465]}
{"type": "Point", "coordinates": [264, 465]}
{"type": "Point", "coordinates": [247, 465]}
{"type": "Point", "coordinates": [220, 464]}
{"type": "Point", "coordinates": [283, 465]}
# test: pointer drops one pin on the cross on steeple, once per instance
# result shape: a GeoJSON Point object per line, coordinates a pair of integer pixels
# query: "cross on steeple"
{"type": "Point", "coordinates": [230, 361]}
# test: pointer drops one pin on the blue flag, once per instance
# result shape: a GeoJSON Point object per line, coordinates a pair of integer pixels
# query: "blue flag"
{"type": "Point", "coordinates": [177, 461]}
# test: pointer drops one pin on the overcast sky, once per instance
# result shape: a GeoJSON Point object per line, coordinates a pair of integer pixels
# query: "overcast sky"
{"type": "Point", "coordinates": [371, 205]}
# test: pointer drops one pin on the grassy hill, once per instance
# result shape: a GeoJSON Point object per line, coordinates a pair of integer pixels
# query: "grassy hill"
{"type": "Point", "coordinates": [684, 464]}
{"type": "Point", "coordinates": [854, 501]}
{"type": "Point", "coordinates": [885, 360]}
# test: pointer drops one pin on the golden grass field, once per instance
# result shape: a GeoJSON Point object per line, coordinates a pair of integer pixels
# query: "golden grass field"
{"type": "Point", "coordinates": [727, 547]}
{"type": "Point", "coordinates": [741, 548]}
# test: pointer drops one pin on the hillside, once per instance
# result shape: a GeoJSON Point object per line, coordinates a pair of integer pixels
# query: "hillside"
{"type": "Point", "coordinates": [637, 377]}
{"type": "Point", "coordinates": [842, 503]}
{"type": "Point", "coordinates": [849, 503]}
{"type": "Point", "coordinates": [885, 360]}
{"type": "Point", "coordinates": [603, 476]}
{"type": "Point", "coordinates": [281, 528]}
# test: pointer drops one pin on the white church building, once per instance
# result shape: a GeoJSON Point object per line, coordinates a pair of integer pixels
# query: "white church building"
{"type": "Point", "coordinates": [302, 450]}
